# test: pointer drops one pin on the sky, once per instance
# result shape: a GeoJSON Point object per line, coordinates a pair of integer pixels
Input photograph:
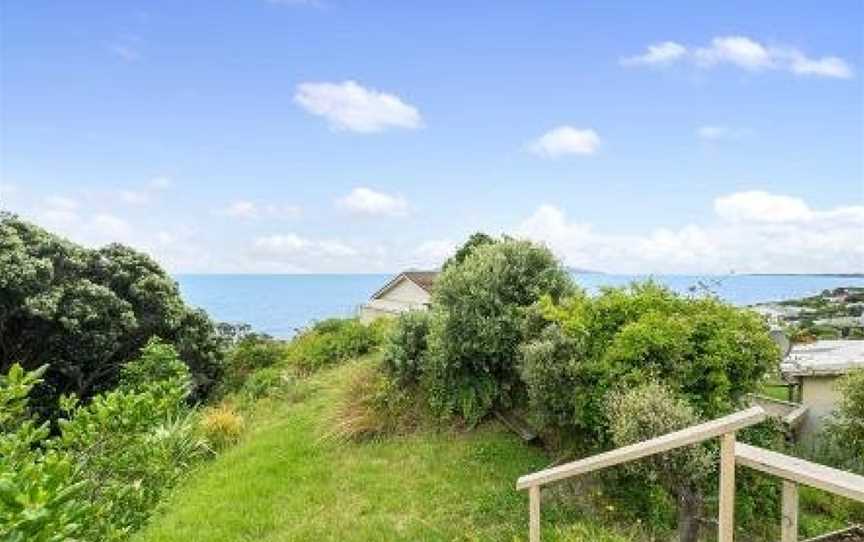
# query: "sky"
{"type": "Point", "coordinates": [292, 136]}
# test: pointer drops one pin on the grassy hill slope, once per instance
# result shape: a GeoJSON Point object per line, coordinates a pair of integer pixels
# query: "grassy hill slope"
{"type": "Point", "coordinates": [285, 482]}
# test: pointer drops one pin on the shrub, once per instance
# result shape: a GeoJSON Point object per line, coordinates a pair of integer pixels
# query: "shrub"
{"type": "Point", "coordinates": [249, 355]}
{"type": "Point", "coordinates": [846, 429]}
{"type": "Point", "coordinates": [406, 347]}
{"type": "Point", "coordinates": [651, 410]}
{"type": "Point", "coordinates": [222, 426]}
{"type": "Point", "coordinates": [709, 353]}
{"type": "Point", "coordinates": [158, 363]}
{"type": "Point", "coordinates": [40, 500]}
{"type": "Point", "coordinates": [330, 342]}
{"type": "Point", "coordinates": [479, 312]}
{"type": "Point", "coordinates": [265, 381]}
{"type": "Point", "coordinates": [131, 445]}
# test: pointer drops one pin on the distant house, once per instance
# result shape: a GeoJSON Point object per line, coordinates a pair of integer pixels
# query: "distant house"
{"type": "Point", "coordinates": [814, 369]}
{"type": "Point", "coordinates": [409, 290]}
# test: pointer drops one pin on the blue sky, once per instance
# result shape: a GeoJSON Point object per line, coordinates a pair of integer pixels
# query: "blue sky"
{"type": "Point", "coordinates": [335, 136]}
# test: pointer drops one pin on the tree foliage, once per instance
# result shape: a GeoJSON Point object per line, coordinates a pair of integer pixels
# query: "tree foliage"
{"type": "Point", "coordinates": [85, 312]}
{"type": "Point", "coordinates": [476, 240]}
{"type": "Point", "coordinates": [478, 323]}
{"type": "Point", "coordinates": [704, 350]}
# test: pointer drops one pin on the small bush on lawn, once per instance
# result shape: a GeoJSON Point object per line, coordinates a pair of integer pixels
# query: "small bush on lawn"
{"type": "Point", "coordinates": [406, 347]}
{"type": "Point", "coordinates": [332, 341]}
{"type": "Point", "coordinates": [648, 411]}
{"type": "Point", "coordinates": [222, 426]}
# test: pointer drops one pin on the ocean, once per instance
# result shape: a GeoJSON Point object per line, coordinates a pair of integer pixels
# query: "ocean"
{"type": "Point", "coordinates": [281, 304]}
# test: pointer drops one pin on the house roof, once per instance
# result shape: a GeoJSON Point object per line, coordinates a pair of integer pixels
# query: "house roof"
{"type": "Point", "coordinates": [424, 279]}
{"type": "Point", "coordinates": [824, 358]}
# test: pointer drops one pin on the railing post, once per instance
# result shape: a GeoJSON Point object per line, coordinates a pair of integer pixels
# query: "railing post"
{"type": "Point", "coordinates": [726, 529]}
{"type": "Point", "coordinates": [789, 525]}
{"type": "Point", "coordinates": [534, 513]}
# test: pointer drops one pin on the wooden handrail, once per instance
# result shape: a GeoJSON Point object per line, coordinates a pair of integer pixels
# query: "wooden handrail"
{"type": "Point", "coordinates": [801, 471]}
{"type": "Point", "coordinates": [670, 441]}
{"type": "Point", "coordinates": [724, 427]}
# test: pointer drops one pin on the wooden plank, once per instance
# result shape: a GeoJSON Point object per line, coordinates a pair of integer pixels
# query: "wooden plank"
{"type": "Point", "coordinates": [789, 517]}
{"type": "Point", "coordinates": [517, 425]}
{"type": "Point", "coordinates": [670, 441]}
{"type": "Point", "coordinates": [534, 514]}
{"type": "Point", "coordinates": [801, 471]}
{"type": "Point", "coordinates": [726, 520]}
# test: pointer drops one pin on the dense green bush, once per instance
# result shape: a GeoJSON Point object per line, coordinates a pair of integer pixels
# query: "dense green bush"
{"type": "Point", "coordinates": [132, 444]}
{"type": "Point", "coordinates": [406, 347]}
{"type": "Point", "coordinates": [479, 310]}
{"type": "Point", "coordinates": [113, 459]}
{"type": "Point", "coordinates": [332, 341]}
{"type": "Point", "coordinates": [650, 410]}
{"type": "Point", "coordinates": [706, 351]}
{"type": "Point", "coordinates": [85, 313]}
{"type": "Point", "coordinates": [40, 501]}
{"type": "Point", "coordinates": [248, 356]}
{"type": "Point", "coordinates": [846, 428]}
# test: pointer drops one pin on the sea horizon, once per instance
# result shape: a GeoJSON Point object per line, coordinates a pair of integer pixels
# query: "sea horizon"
{"type": "Point", "coordinates": [280, 304]}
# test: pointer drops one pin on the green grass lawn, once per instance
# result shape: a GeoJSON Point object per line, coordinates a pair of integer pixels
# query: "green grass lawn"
{"type": "Point", "coordinates": [284, 482]}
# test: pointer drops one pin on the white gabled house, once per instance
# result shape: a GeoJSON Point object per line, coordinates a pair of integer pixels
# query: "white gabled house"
{"type": "Point", "coordinates": [409, 290]}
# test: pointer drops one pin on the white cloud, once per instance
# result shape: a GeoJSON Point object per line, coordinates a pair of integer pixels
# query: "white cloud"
{"type": "Point", "coordinates": [349, 106]}
{"type": "Point", "coordinates": [294, 253]}
{"type": "Point", "coordinates": [752, 232]}
{"type": "Point", "coordinates": [738, 50]}
{"type": "Point", "coordinates": [746, 53]}
{"type": "Point", "coordinates": [565, 140]}
{"type": "Point", "coordinates": [758, 206]}
{"type": "Point", "coordinates": [659, 53]}
{"type": "Point", "coordinates": [365, 201]}
{"type": "Point", "coordinates": [249, 210]}
{"type": "Point", "coordinates": [829, 66]}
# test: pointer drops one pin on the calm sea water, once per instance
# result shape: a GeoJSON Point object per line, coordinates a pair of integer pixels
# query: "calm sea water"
{"type": "Point", "coordinates": [280, 304]}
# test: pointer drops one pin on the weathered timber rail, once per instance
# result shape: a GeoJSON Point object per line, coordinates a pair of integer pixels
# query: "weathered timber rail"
{"type": "Point", "coordinates": [792, 470]}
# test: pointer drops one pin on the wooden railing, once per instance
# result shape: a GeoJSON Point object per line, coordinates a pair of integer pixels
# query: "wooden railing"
{"type": "Point", "coordinates": [796, 471]}
{"type": "Point", "coordinates": [793, 471]}
{"type": "Point", "coordinates": [724, 427]}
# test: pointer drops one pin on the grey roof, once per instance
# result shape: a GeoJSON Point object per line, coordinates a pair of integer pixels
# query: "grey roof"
{"type": "Point", "coordinates": [824, 358]}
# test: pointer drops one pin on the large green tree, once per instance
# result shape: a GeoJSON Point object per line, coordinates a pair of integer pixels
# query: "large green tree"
{"type": "Point", "coordinates": [86, 312]}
